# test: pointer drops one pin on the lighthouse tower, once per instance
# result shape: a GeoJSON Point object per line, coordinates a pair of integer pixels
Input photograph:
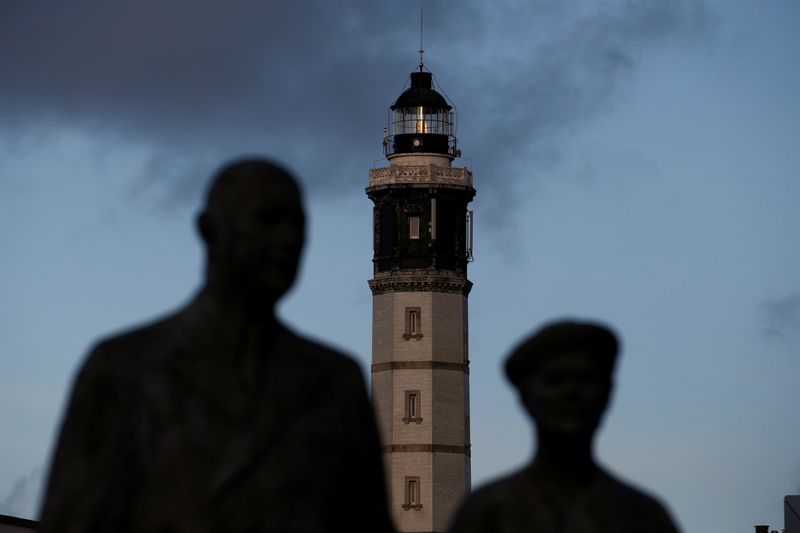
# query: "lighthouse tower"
{"type": "Point", "coordinates": [420, 362]}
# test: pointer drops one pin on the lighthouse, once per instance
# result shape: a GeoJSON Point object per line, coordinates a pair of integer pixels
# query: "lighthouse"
{"type": "Point", "coordinates": [420, 357]}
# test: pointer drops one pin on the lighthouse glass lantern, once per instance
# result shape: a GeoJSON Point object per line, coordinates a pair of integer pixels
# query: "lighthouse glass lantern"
{"type": "Point", "coordinates": [421, 120]}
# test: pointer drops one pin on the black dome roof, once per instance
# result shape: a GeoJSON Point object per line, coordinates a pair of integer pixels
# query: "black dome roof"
{"type": "Point", "coordinates": [421, 93]}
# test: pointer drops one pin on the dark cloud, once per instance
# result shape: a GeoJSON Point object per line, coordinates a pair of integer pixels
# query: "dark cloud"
{"type": "Point", "coordinates": [564, 68]}
{"type": "Point", "coordinates": [22, 499]}
{"type": "Point", "coordinates": [311, 80]}
{"type": "Point", "coordinates": [204, 79]}
{"type": "Point", "coordinates": [781, 317]}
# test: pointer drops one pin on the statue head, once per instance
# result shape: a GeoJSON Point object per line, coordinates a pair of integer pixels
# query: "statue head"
{"type": "Point", "coordinates": [563, 373]}
{"type": "Point", "coordinates": [253, 226]}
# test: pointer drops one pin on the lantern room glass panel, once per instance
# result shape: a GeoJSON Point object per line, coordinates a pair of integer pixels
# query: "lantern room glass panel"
{"type": "Point", "coordinates": [422, 120]}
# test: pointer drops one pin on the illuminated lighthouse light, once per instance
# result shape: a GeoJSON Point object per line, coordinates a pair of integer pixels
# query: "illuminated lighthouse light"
{"type": "Point", "coordinates": [422, 124]}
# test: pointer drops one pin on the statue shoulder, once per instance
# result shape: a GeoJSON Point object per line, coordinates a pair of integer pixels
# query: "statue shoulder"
{"type": "Point", "coordinates": [132, 350]}
{"type": "Point", "coordinates": [513, 486]}
{"type": "Point", "coordinates": [642, 506]}
{"type": "Point", "coordinates": [496, 506]}
{"type": "Point", "coordinates": [312, 352]}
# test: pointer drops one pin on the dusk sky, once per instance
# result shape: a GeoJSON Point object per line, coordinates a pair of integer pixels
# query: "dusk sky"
{"type": "Point", "coordinates": [636, 162]}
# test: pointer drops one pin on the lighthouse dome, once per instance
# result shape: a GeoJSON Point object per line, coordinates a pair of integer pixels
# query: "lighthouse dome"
{"type": "Point", "coordinates": [421, 93]}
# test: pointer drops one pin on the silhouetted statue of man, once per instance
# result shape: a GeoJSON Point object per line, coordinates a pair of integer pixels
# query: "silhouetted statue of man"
{"type": "Point", "coordinates": [563, 375]}
{"type": "Point", "coordinates": [218, 418]}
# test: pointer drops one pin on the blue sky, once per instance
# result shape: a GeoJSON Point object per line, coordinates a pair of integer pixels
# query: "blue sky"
{"type": "Point", "coordinates": [636, 162]}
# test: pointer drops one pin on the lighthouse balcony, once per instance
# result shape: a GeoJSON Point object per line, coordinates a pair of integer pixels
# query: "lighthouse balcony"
{"type": "Point", "coordinates": [425, 175]}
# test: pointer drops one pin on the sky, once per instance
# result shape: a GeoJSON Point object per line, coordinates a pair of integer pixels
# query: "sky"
{"type": "Point", "coordinates": [636, 163]}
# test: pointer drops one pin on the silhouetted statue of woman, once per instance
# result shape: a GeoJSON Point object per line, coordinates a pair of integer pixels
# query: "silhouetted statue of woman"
{"type": "Point", "coordinates": [563, 374]}
{"type": "Point", "coordinates": [218, 418]}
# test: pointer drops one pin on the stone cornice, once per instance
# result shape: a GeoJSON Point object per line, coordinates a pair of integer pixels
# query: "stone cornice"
{"type": "Point", "coordinates": [425, 175]}
{"type": "Point", "coordinates": [419, 365]}
{"type": "Point", "coordinates": [412, 282]}
{"type": "Point", "coordinates": [426, 448]}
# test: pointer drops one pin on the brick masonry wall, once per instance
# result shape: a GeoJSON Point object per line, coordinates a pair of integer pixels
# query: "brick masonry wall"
{"type": "Point", "coordinates": [412, 432]}
{"type": "Point", "coordinates": [451, 472]}
{"type": "Point", "coordinates": [448, 328]}
{"type": "Point", "coordinates": [382, 400]}
{"type": "Point", "coordinates": [415, 465]}
{"type": "Point", "coordinates": [383, 333]}
{"type": "Point", "coordinates": [448, 408]}
{"type": "Point", "coordinates": [443, 403]}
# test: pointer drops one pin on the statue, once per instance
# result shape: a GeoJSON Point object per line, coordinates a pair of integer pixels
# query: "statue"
{"type": "Point", "coordinates": [563, 374]}
{"type": "Point", "coordinates": [217, 417]}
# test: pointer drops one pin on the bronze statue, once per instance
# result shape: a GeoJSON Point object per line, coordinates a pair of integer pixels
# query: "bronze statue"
{"type": "Point", "coordinates": [217, 417]}
{"type": "Point", "coordinates": [563, 374]}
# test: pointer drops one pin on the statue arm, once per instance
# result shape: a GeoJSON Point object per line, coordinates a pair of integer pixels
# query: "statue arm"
{"type": "Point", "coordinates": [91, 469]}
{"type": "Point", "coordinates": [369, 483]}
{"type": "Point", "coordinates": [668, 524]}
{"type": "Point", "coordinates": [474, 516]}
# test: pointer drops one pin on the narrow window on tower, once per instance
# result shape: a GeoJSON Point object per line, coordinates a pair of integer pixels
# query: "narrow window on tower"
{"type": "Point", "coordinates": [433, 219]}
{"type": "Point", "coordinates": [413, 227]}
{"type": "Point", "coordinates": [412, 494]}
{"type": "Point", "coordinates": [413, 324]}
{"type": "Point", "coordinates": [413, 412]}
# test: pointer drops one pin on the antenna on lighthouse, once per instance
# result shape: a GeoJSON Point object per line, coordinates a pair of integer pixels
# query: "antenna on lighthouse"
{"type": "Point", "coordinates": [421, 50]}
